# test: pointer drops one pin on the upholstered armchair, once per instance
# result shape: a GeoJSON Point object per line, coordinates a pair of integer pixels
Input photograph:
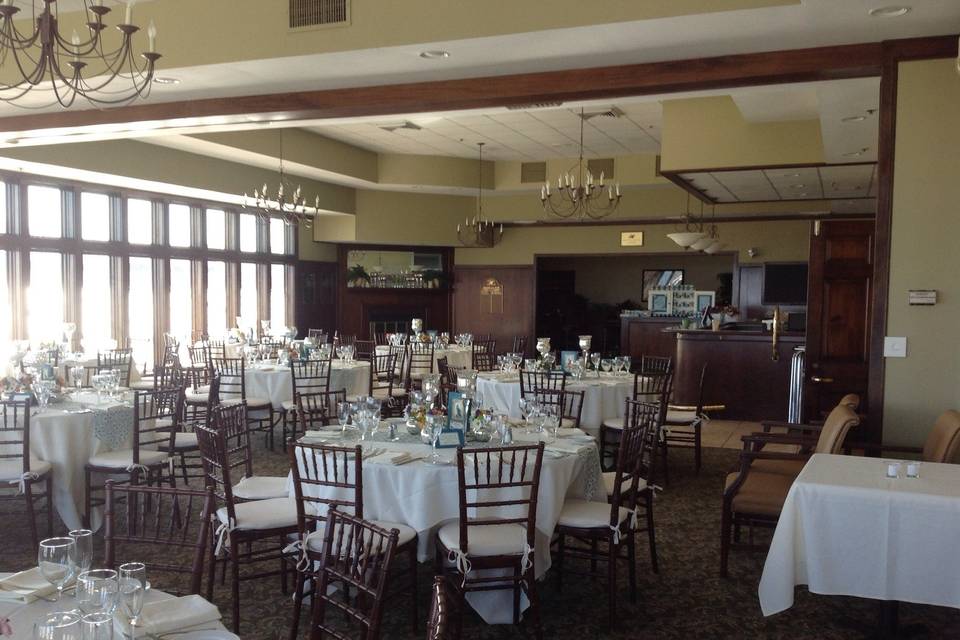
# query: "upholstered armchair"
{"type": "Point", "coordinates": [754, 494]}
{"type": "Point", "coordinates": [942, 443]}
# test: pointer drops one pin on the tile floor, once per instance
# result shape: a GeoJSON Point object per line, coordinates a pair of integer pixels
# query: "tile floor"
{"type": "Point", "coordinates": [726, 433]}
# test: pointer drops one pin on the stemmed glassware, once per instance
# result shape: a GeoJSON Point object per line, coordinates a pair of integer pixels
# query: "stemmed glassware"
{"type": "Point", "coordinates": [84, 551]}
{"type": "Point", "coordinates": [435, 427]}
{"type": "Point", "coordinates": [133, 584]}
{"type": "Point", "coordinates": [59, 625]}
{"type": "Point", "coordinates": [626, 365]}
{"type": "Point", "coordinates": [617, 365]}
{"type": "Point", "coordinates": [595, 360]}
{"type": "Point", "coordinates": [606, 364]}
{"type": "Point", "coordinates": [76, 373]}
{"type": "Point", "coordinates": [99, 384]}
{"type": "Point", "coordinates": [56, 559]}
{"type": "Point", "coordinates": [344, 411]}
{"type": "Point", "coordinates": [41, 389]}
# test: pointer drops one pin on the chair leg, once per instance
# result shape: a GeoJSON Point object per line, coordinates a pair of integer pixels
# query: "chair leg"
{"type": "Point", "coordinates": [724, 540]}
{"type": "Point", "coordinates": [183, 467]}
{"type": "Point", "coordinates": [49, 504]}
{"type": "Point", "coordinates": [593, 559]}
{"type": "Point", "coordinates": [534, 597]}
{"type": "Point", "coordinates": [516, 595]}
{"type": "Point", "coordinates": [235, 577]}
{"type": "Point", "coordinates": [632, 565]}
{"type": "Point", "coordinates": [297, 605]}
{"type": "Point", "coordinates": [612, 552]}
{"type": "Point", "coordinates": [697, 453]}
{"type": "Point", "coordinates": [561, 548]}
{"type": "Point", "coordinates": [28, 494]}
{"type": "Point", "coordinates": [651, 533]}
{"type": "Point", "coordinates": [212, 567]}
{"type": "Point", "coordinates": [414, 611]}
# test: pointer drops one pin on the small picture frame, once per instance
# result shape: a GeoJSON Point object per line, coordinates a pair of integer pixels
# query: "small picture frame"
{"type": "Point", "coordinates": [451, 439]}
{"type": "Point", "coordinates": [660, 302]}
{"type": "Point", "coordinates": [705, 300]}
{"type": "Point", "coordinates": [459, 409]}
{"type": "Point", "coordinates": [566, 357]}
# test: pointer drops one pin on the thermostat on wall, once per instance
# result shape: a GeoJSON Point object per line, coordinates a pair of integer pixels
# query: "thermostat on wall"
{"type": "Point", "coordinates": [922, 296]}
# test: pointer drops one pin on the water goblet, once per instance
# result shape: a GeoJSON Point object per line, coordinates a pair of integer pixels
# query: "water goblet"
{"type": "Point", "coordinates": [435, 427]}
{"type": "Point", "coordinates": [606, 364]}
{"type": "Point", "coordinates": [617, 365]}
{"type": "Point", "coordinates": [344, 411]}
{"type": "Point", "coordinates": [97, 626]}
{"type": "Point", "coordinates": [98, 591]}
{"type": "Point", "coordinates": [56, 559]}
{"type": "Point", "coordinates": [84, 551]}
{"type": "Point", "coordinates": [626, 365]}
{"type": "Point", "coordinates": [76, 374]}
{"type": "Point", "coordinates": [133, 584]}
{"type": "Point", "coordinates": [595, 360]}
{"type": "Point", "coordinates": [58, 625]}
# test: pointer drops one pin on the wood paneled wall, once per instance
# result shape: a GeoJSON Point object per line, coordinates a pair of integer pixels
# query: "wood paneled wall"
{"type": "Point", "coordinates": [504, 317]}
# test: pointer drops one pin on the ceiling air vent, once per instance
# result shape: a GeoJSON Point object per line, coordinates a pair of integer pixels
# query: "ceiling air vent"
{"type": "Point", "coordinates": [316, 13]}
{"type": "Point", "coordinates": [533, 105]}
{"type": "Point", "coordinates": [601, 165]}
{"type": "Point", "coordinates": [533, 172]}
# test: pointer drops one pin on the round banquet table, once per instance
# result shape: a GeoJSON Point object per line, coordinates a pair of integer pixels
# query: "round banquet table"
{"type": "Point", "coordinates": [22, 617]}
{"type": "Point", "coordinates": [67, 435]}
{"type": "Point", "coordinates": [89, 361]}
{"type": "Point", "coordinates": [425, 496]}
{"type": "Point", "coordinates": [276, 383]}
{"type": "Point", "coordinates": [457, 356]}
{"type": "Point", "coordinates": [603, 397]}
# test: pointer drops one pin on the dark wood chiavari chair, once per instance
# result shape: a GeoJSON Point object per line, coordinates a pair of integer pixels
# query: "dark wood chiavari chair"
{"type": "Point", "coordinates": [653, 387]}
{"type": "Point", "coordinates": [272, 346]}
{"type": "Point", "coordinates": [484, 353]}
{"type": "Point", "coordinates": [443, 623]}
{"type": "Point", "coordinates": [683, 424]}
{"type": "Point", "coordinates": [307, 376]}
{"type": "Point", "coordinates": [532, 382]}
{"type": "Point", "coordinates": [138, 518]}
{"type": "Point", "coordinates": [613, 523]}
{"type": "Point", "coordinates": [421, 362]}
{"type": "Point", "coordinates": [185, 446]}
{"type": "Point", "coordinates": [316, 410]}
{"type": "Point", "coordinates": [655, 364]}
{"type": "Point", "coordinates": [119, 359]}
{"type": "Point", "coordinates": [250, 532]}
{"type": "Point", "coordinates": [358, 556]}
{"type": "Point", "coordinates": [520, 345]}
{"type": "Point", "coordinates": [327, 477]}
{"type": "Point", "coordinates": [364, 349]}
{"type": "Point", "coordinates": [385, 384]}
{"type": "Point", "coordinates": [400, 355]}
{"type": "Point", "coordinates": [318, 335]}
{"type": "Point", "coordinates": [572, 410]}
{"type": "Point", "coordinates": [233, 390]}
{"type": "Point", "coordinates": [19, 468]}
{"type": "Point", "coordinates": [493, 531]}
{"type": "Point", "coordinates": [347, 339]}
{"type": "Point", "coordinates": [216, 349]}
{"type": "Point", "coordinates": [156, 418]}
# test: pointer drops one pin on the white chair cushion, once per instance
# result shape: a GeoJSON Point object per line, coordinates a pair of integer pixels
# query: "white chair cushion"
{"type": "Point", "coordinates": [261, 488]}
{"type": "Point", "coordinates": [123, 458]}
{"type": "Point", "coordinates": [677, 417]}
{"type": "Point", "coordinates": [289, 405]}
{"type": "Point", "coordinates": [276, 513]}
{"type": "Point", "coordinates": [197, 397]}
{"type": "Point", "coordinates": [588, 515]}
{"type": "Point", "coordinates": [253, 402]}
{"type": "Point", "coordinates": [396, 392]}
{"type": "Point", "coordinates": [487, 540]}
{"type": "Point", "coordinates": [613, 423]}
{"type": "Point", "coordinates": [143, 384]}
{"type": "Point", "coordinates": [568, 423]}
{"type": "Point", "coordinates": [11, 470]}
{"type": "Point", "coordinates": [184, 440]}
{"type": "Point", "coordinates": [610, 477]}
{"type": "Point", "coordinates": [407, 534]}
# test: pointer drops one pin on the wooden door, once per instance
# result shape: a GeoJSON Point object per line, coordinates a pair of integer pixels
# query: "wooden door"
{"type": "Point", "coordinates": [316, 296]}
{"type": "Point", "coordinates": [838, 309]}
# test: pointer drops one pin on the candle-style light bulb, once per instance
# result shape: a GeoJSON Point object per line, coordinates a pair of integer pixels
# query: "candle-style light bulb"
{"type": "Point", "coordinates": [75, 41]}
{"type": "Point", "coordinates": [152, 35]}
{"type": "Point", "coordinates": [129, 15]}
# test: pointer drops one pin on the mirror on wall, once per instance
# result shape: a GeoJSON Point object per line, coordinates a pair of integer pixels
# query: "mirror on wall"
{"type": "Point", "coordinates": [385, 269]}
{"type": "Point", "coordinates": [660, 279]}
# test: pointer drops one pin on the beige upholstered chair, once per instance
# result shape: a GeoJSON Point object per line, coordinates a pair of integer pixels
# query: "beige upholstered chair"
{"type": "Point", "coordinates": [942, 443]}
{"type": "Point", "coordinates": [754, 494]}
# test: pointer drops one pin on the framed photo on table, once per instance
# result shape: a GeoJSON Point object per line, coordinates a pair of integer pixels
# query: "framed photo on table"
{"type": "Point", "coordinates": [459, 409]}
{"type": "Point", "coordinates": [704, 300]}
{"type": "Point", "coordinates": [566, 357]}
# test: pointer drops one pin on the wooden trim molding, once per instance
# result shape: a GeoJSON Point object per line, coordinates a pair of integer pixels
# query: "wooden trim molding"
{"type": "Point", "coordinates": [608, 222]}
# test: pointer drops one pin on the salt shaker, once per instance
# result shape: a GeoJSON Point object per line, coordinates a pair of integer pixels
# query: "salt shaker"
{"type": "Point", "coordinates": [506, 435]}
{"type": "Point", "coordinates": [393, 431]}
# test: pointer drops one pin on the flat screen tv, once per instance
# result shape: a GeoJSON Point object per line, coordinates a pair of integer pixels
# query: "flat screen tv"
{"type": "Point", "coordinates": [785, 283]}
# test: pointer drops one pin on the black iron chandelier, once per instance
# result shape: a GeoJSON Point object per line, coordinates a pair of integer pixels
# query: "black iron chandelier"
{"type": "Point", "coordinates": [478, 231]}
{"type": "Point", "coordinates": [287, 203]}
{"type": "Point", "coordinates": [72, 66]}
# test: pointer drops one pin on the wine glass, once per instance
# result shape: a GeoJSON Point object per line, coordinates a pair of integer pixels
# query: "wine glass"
{"type": "Point", "coordinates": [77, 374]}
{"type": "Point", "coordinates": [435, 425]}
{"type": "Point", "coordinates": [595, 360]}
{"type": "Point", "coordinates": [626, 365]}
{"type": "Point", "coordinates": [617, 365]}
{"type": "Point", "coordinates": [133, 583]}
{"type": "Point", "coordinates": [607, 364]}
{"type": "Point", "coordinates": [97, 626]}
{"type": "Point", "coordinates": [84, 552]}
{"type": "Point", "coordinates": [344, 411]}
{"type": "Point", "coordinates": [59, 625]}
{"type": "Point", "coordinates": [97, 591]}
{"type": "Point", "coordinates": [56, 559]}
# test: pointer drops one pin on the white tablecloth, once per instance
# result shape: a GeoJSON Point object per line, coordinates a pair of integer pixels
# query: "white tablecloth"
{"type": "Point", "coordinates": [847, 529]}
{"type": "Point", "coordinates": [603, 397]}
{"type": "Point", "coordinates": [457, 356]}
{"type": "Point", "coordinates": [23, 617]}
{"type": "Point", "coordinates": [67, 441]}
{"type": "Point", "coordinates": [90, 360]}
{"type": "Point", "coordinates": [276, 383]}
{"type": "Point", "coordinates": [425, 496]}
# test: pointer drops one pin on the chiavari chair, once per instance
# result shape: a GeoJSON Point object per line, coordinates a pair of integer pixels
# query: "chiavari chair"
{"type": "Point", "coordinates": [119, 359]}
{"type": "Point", "coordinates": [233, 390]}
{"type": "Point", "coordinates": [307, 376]}
{"type": "Point", "coordinates": [20, 468]}
{"type": "Point", "coordinates": [484, 353]}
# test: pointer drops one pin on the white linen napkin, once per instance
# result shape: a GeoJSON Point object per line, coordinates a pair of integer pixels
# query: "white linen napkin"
{"type": "Point", "coordinates": [25, 587]}
{"type": "Point", "coordinates": [391, 457]}
{"type": "Point", "coordinates": [561, 446]}
{"type": "Point", "coordinates": [172, 614]}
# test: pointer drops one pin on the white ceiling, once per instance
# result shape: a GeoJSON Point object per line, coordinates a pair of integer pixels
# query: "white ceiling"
{"type": "Point", "coordinates": [805, 183]}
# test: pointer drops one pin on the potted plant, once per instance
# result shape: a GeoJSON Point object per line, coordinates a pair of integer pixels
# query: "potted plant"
{"type": "Point", "coordinates": [435, 278]}
{"type": "Point", "coordinates": [357, 276]}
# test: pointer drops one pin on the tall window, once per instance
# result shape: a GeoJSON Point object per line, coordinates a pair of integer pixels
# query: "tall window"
{"type": "Point", "coordinates": [216, 298]}
{"type": "Point", "coordinates": [45, 211]}
{"type": "Point", "coordinates": [278, 296]}
{"type": "Point", "coordinates": [216, 229]}
{"type": "Point", "coordinates": [96, 323]}
{"type": "Point", "coordinates": [139, 221]}
{"type": "Point", "coordinates": [278, 236]}
{"type": "Point", "coordinates": [3, 209]}
{"type": "Point", "coordinates": [141, 310]}
{"type": "Point", "coordinates": [248, 296]}
{"type": "Point", "coordinates": [45, 297]}
{"type": "Point", "coordinates": [179, 225]}
{"type": "Point", "coordinates": [95, 217]}
{"type": "Point", "coordinates": [6, 317]}
{"type": "Point", "coordinates": [248, 232]}
{"type": "Point", "coordinates": [181, 312]}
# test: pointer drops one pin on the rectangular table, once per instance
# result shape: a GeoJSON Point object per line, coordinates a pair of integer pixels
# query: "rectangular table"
{"type": "Point", "coordinates": [847, 529]}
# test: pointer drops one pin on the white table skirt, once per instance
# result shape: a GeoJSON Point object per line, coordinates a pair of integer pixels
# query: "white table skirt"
{"type": "Point", "coordinates": [425, 496]}
{"type": "Point", "coordinates": [847, 529]}
{"type": "Point", "coordinates": [23, 617]}
{"type": "Point", "coordinates": [603, 398]}
{"type": "Point", "coordinates": [276, 383]}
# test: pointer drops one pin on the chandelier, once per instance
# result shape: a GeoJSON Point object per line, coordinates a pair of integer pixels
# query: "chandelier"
{"type": "Point", "coordinates": [692, 229]}
{"type": "Point", "coordinates": [71, 65]}
{"type": "Point", "coordinates": [479, 232]}
{"type": "Point", "coordinates": [286, 203]}
{"type": "Point", "coordinates": [588, 199]}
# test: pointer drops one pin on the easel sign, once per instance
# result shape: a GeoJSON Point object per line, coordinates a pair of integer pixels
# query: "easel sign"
{"type": "Point", "coordinates": [492, 289]}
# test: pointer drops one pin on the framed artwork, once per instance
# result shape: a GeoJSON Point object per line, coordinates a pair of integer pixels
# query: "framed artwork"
{"type": "Point", "coordinates": [660, 302]}
{"type": "Point", "coordinates": [705, 300]}
{"type": "Point", "coordinates": [659, 279]}
{"type": "Point", "coordinates": [458, 411]}
{"type": "Point", "coordinates": [566, 357]}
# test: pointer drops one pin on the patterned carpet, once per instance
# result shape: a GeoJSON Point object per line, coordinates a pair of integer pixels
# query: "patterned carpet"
{"type": "Point", "coordinates": [687, 599]}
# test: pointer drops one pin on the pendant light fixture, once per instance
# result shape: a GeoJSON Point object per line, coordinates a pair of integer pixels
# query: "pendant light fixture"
{"type": "Point", "coordinates": [479, 232]}
{"type": "Point", "coordinates": [692, 230]}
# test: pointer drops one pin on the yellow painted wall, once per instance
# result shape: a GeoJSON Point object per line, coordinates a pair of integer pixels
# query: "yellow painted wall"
{"type": "Point", "coordinates": [395, 168]}
{"type": "Point", "coordinates": [701, 133]}
{"type": "Point", "coordinates": [924, 251]}
{"type": "Point", "coordinates": [639, 169]}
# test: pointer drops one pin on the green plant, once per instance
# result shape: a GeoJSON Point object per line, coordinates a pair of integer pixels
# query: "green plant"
{"type": "Point", "coordinates": [437, 275]}
{"type": "Point", "coordinates": [357, 273]}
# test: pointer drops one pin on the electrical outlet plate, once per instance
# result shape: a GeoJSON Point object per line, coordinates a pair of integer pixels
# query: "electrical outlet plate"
{"type": "Point", "coordinates": [894, 347]}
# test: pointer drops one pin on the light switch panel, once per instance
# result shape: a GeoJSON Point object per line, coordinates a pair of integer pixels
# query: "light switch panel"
{"type": "Point", "coordinates": [894, 347]}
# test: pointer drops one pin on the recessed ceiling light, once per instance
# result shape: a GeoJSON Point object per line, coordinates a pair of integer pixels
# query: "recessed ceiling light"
{"type": "Point", "coordinates": [893, 11]}
{"type": "Point", "coordinates": [434, 54]}
{"type": "Point", "coordinates": [854, 119]}
{"type": "Point", "coordinates": [166, 80]}
{"type": "Point", "coordinates": [12, 140]}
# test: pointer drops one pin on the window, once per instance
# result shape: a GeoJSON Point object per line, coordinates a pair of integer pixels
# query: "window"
{"type": "Point", "coordinates": [181, 311]}
{"type": "Point", "coordinates": [216, 298]}
{"type": "Point", "coordinates": [278, 296]}
{"type": "Point", "coordinates": [95, 217]}
{"type": "Point", "coordinates": [141, 310]}
{"type": "Point", "coordinates": [139, 221]}
{"type": "Point", "coordinates": [248, 296]}
{"type": "Point", "coordinates": [216, 229]}
{"type": "Point", "coordinates": [248, 232]}
{"type": "Point", "coordinates": [3, 211]}
{"type": "Point", "coordinates": [45, 297]}
{"type": "Point", "coordinates": [278, 236]}
{"type": "Point", "coordinates": [179, 224]}
{"type": "Point", "coordinates": [96, 324]}
{"type": "Point", "coordinates": [6, 317]}
{"type": "Point", "coordinates": [45, 212]}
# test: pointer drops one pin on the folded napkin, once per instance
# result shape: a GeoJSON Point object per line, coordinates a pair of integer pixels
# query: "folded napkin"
{"type": "Point", "coordinates": [172, 614]}
{"type": "Point", "coordinates": [392, 457]}
{"type": "Point", "coordinates": [25, 587]}
{"type": "Point", "coordinates": [561, 446]}
{"type": "Point", "coordinates": [566, 432]}
{"type": "Point", "coordinates": [324, 433]}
